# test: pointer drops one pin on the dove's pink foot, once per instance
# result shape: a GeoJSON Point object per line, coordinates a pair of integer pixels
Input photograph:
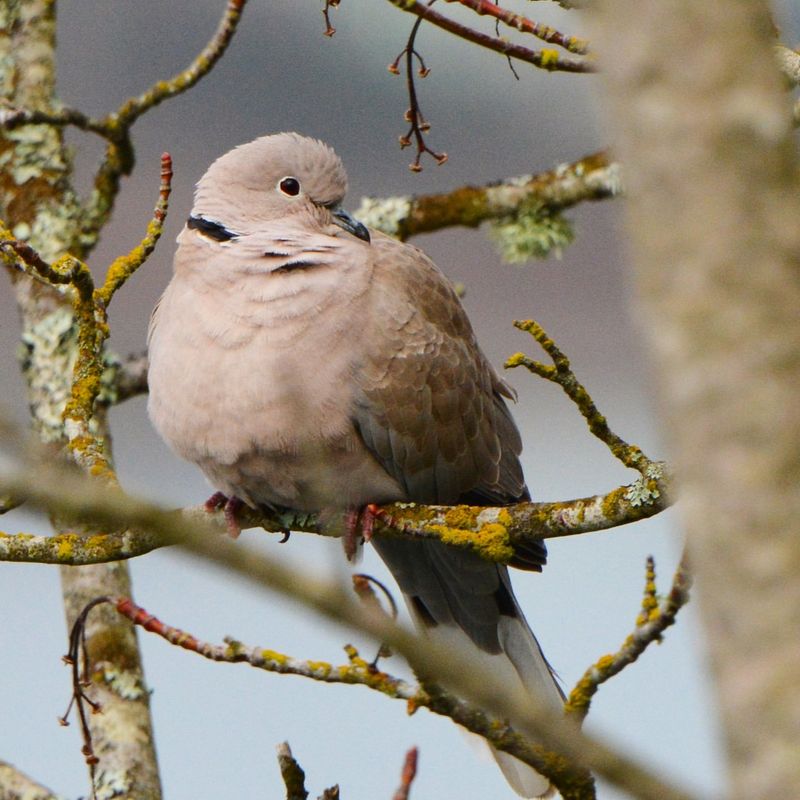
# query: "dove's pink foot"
{"type": "Point", "coordinates": [376, 512]}
{"type": "Point", "coordinates": [230, 506]}
{"type": "Point", "coordinates": [360, 524]}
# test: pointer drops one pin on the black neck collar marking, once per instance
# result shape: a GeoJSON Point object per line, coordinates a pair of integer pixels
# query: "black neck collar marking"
{"type": "Point", "coordinates": [207, 227]}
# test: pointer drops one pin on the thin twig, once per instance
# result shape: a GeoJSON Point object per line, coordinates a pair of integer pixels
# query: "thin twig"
{"type": "Point", "coordinates": [653, 620]}
{"type": "Point", "coordinates": [326, 10]}
{"type": "Point", "coordinates": [202, 64]}
{"type": "Point", "coordinates": [11, 118]}
{"type": "Point", "coordinates": [78, 660]}
{"type": "Point", "coordinates": [407, 775]}
{"type": "Point", "coordinates": [562, 374]}
{"type": "Point", "coordinates": [419, 125]}
{"type": "Point", "coordinates": [124, 266]}
{"type": "Point", "coordinates": [574, 44]}
{"type": "Point", "coordinates": [358, 672]}
{"type": "Point", "coordinates": [547, 59]}
{"type": "Point", "coordinates": [454, 668]}
{"type": "Point", "coordinates": [118, 159]}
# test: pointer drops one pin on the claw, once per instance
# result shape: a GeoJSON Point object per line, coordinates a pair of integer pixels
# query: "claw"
{"type": "Point", "coordinates": [359, 525]}
{"type": "Point", "coordinates": [215, 502]}
{"type": "Point", "coordinates": [230, 506]}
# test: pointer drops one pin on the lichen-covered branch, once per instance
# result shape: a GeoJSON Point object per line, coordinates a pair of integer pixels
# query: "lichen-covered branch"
{"type": "Point", "coordinates": [654, 618]}
{"type": "Point", "coordinates": [458, 671]}
{"type": "Point", "coordinates": [548, 59]}
{"type": "Point", "coordinates": [133, 525]}
{"type": "Point", "coordinates": [493, 532]}
{"type": "Point", "coordinates": [61, 362]}
{"type": "Point", "coordinates": [123, 267]}
{"type": "Point", "coordinates": [428, 659]}
{"type": "Point", "coordinates": [561, 373]}
{"type": "Point", "coordinates": [593, 177]}
{"type": "Point", "coordinates": [789, 63]}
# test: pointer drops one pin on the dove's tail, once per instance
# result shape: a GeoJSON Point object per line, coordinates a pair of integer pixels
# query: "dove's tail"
{"type": "Point", "coordinates": [460, 599]}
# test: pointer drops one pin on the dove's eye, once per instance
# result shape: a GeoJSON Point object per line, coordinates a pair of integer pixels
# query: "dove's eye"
{"type": "Point", "coordinates": [289, 186]}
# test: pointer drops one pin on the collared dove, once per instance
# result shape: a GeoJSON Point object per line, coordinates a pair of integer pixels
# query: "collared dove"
{"type": "Point", "coordinates": [304, 361]}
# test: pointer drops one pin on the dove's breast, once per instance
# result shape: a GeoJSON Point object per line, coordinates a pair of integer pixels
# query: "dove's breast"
{"type": "Point", "coordinates": [261, 399]}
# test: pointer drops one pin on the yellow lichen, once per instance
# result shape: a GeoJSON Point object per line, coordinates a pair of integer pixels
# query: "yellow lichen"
{"type": "Point", "coordinates": [65, 546]}
{"type": "Point", "coordinates": [549, 58]}
{"type": "Point", "coordinates": [274, 657]}
{"type": "Point", "coordinates": [460, 517]}
{"type": "Point", "coordinates": [604, 662]}
{"type": "Point", "coordinates": [320, 668]}
{"type": "Point", "coordinates": [491, 542]}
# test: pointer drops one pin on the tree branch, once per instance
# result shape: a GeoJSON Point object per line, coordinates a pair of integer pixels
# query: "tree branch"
{"type": "Point", "coordinates": [593, 177]}
{"type": "Point", "coordinates": [427, 658]}
{"type": "Point", "coordinates": [651, 623]}
{"type": "Point", "coordinates": [492, 532]}
{"type": "Point", "coordinates": [547, 59]}
{"type": "Point", "coordinates": [292, 773]}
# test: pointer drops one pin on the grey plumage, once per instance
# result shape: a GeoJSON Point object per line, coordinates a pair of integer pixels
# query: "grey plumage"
{"type": "Point", "coordinates": [301, 361]}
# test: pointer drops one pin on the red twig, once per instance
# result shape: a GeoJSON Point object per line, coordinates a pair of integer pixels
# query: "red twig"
{"type": "Point", "coordinates": [544, 32]}
{"type": "Point", "coordinates": [543, 59]}
{"type": "Point", "coordinates": [138, 616]}
{"type": "Point", "coordinates": [407, 776]}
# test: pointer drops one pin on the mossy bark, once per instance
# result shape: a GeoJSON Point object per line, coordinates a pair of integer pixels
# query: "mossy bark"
{"type": "Point", "coordinates": [38, 204]}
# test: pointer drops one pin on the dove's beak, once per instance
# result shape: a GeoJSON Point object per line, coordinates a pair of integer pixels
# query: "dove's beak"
{"type": "Point", "coordinates": [345, 221]}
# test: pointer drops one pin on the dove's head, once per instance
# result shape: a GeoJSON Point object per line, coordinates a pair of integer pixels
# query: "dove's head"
{"type": "Point", "coordinates": [284, 176]}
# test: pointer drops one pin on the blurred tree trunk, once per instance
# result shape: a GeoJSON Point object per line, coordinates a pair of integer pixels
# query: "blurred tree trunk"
{"type": "Point", "coordinates": [37, 203]}
{"type": "Point", "coordinates": [703, 128]}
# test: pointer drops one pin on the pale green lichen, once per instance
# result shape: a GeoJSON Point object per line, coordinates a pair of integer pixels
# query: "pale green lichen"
{"type": "Point", "coordinates": [47, 356]}
{"type": "Point", "coordinates": [610, 178]}
{"type": "Point", "coordinates": [385, 215]}
{"type": "Point", "coordinates": [531, 234]}
{"type": "Point", "coordinates": [53, 229]}
{"type": "Point", "coordinates": [109, 389]}
{"type": "Point", "coordinates": [645, 489]}
{"type": "Point", "coordinates": [111, 783]}
{"type": "Point", "coordinates": [123, 683]}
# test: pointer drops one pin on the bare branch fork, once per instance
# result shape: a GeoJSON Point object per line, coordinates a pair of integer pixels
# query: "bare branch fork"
{"type": "Point", "coordinates": [90, 307]}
